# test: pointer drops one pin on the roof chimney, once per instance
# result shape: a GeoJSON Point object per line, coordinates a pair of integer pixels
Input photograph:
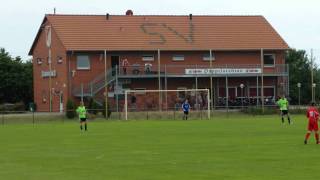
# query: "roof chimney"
{"type": "Point", "coordinates": [129, 13]}
{"type": "Point", "coordinates": [190, 17]}
{"type": "Point", "coordinates": [107, 16]}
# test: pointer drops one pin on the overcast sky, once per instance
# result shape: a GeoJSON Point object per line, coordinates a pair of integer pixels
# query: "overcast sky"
{"type": "Point", "coordinates": [297, 21]}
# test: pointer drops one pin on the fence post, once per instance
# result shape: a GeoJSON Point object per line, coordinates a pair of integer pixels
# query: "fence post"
{"type": "Point", "coordinates": [115, 89]}
{"type": "Point", "coordinates": [147, 114]}
{"type": "Point", "coordinates": [33, 118]}
{"type": "Point", "coordinates": [227, 93]}
{"type": "Point", "coordinates": [125, 105]}
{"type": "Point", "coordinates": [2, 118]}
{"type": "Point", "coordinates": [91, 89]}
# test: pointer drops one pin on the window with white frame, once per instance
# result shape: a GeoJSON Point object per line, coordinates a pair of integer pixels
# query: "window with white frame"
{"type": "Point", "coordinates": [148, 57]}
{"type": "Point", "coordinates": [206, 57]}
{"type": "Point", "coordinates": [178, 57]}
{"type": "Point", "coordinates": [83, 62]}
{"type": "Point", "coordinates": [269, 60]}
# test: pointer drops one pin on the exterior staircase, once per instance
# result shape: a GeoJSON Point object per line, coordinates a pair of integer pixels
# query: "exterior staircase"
{"type": "Point", "coordinates": [91, 89]}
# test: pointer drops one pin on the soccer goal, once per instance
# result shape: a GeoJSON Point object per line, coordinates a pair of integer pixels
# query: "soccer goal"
{"type": "Point", "coordinates": [166, 104]}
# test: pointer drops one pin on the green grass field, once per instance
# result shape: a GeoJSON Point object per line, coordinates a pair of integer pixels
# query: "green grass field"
{"type": "Point", "coordinates": [237, 147]}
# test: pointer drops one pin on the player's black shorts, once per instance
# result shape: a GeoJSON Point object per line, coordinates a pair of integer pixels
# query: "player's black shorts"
{"type": "Point", "coordinates": [83, 119]}
{"type": "Point", "coordinates": [186, 112]}
{"type": "Point", "coordinates": [284, 112]}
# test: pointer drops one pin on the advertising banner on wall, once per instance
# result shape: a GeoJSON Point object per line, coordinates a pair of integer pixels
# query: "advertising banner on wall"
{"type": "Point", "coordinates": [221, 71]}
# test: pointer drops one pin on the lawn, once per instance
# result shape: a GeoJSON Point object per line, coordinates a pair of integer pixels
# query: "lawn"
{"type": "Point", "coordinates": [234, 147]}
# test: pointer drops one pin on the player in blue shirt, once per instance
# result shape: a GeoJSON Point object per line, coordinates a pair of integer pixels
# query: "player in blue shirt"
{"type": "Point", "coordinates": [185, 108]}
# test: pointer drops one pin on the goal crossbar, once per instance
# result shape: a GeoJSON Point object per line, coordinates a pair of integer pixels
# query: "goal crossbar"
{"type": "Point", "coordinates": [161, 90]}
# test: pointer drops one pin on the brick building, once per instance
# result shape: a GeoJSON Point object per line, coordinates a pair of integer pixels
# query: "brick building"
{"type": "Point", "coordinates": [75, 55]}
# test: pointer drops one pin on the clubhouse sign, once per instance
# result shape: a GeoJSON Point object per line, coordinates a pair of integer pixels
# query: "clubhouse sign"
{"type": "Point", "coordinates": [223, 71]}
{"type": "Point", "coordinates": [46, 74]}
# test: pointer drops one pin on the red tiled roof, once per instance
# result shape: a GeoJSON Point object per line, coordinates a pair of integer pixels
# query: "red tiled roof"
{"type": "Point", "coordinates": [139, 32]}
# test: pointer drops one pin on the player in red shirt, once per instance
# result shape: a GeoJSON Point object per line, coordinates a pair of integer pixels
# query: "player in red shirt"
{"type": "Point", "coordinates": [313, 115]}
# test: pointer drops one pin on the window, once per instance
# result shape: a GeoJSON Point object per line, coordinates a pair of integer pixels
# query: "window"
{"type": "Point", "coordinates": [148, 57]}
{"type": "Point", "coordinates": [253, 92]}
{"type": "Point", "coordinates": [59, 59]}
{"type": "Point", "coordinates": [268, 91]}
{"type": "Point", "coordinates": [83, 62]}
{"type": "Point", "coordinates": [39, 61]}
{"type": "Point", "coordinates": [178, 58]}
{"type": "Point", "coordinates": [269, 60]}
{"type": "Point", "coordinates": [241, 92]}
{"type": "Point", "coordinates": [206, 57]}
{"type": "Point", "coordinates": [232, 92]}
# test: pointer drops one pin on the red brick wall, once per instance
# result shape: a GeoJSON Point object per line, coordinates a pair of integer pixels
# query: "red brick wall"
{"type": "Point", "coordinates": [59, 83]}
{"type": "Point", "coordinates": [85, 76]}
{"type": "Point", "coordinates": [97, 68]}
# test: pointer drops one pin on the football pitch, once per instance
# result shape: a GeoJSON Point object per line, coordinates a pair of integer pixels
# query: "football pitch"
{"type": "Point", "coordinates": [235, 147]}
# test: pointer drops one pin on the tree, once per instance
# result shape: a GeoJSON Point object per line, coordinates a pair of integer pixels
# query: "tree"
{"type": "Point", "coordinates": [17, 79]}
{"type": "Point", "coordinates": [300, 72]}
{"type": "Point", "coordinates": [71, 113]}
{"type": "Point", "coordinates": [93, 106]}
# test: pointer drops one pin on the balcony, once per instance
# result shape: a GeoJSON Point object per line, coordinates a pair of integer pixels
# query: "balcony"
{"type": "Point", "coordinates": [149, 71]}
{"type": "Point", "coordinates": [245, 70]}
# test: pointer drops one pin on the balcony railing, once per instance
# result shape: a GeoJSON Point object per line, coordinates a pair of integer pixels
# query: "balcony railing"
{"type": "Point", "coordinates": [148, 70]}
{"type": "Point", "coordinates": [139, 71]}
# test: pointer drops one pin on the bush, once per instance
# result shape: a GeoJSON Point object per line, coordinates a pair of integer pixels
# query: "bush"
{"type": "Point", "coordinates": [104, 110]}
{"type": "Point", "coordinates": [19, 106]}
{"type": "Point", "coordinates": [258, 110]}
{"type": "Point", "coordinates": [89, 108]}
{"type": "Point", "coordinates": [272, 110]}
{"type": "Point", "coordinates": [12, 107]}
{"type": "Point", "coordinates": [91, 116]}
{"type": "Point", "coordinates": [93, 107]}
{"type": "Point", "coordinates": [297, 111]}
{"type": "Point", "coordinates": [70, 113]}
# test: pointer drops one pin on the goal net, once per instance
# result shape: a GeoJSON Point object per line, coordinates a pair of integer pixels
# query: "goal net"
{"type": "Point", "coordinates": [166, 104]}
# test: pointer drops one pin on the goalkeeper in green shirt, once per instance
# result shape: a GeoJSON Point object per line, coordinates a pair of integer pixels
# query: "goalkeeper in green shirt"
{"type": "Point", "coordinates": [283, 105]}
{"type": "Point", "coordinates": [82, 112]}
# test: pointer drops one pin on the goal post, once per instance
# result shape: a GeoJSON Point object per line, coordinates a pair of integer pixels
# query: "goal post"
{"type": "Point", "coordinates": [145, 100]}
